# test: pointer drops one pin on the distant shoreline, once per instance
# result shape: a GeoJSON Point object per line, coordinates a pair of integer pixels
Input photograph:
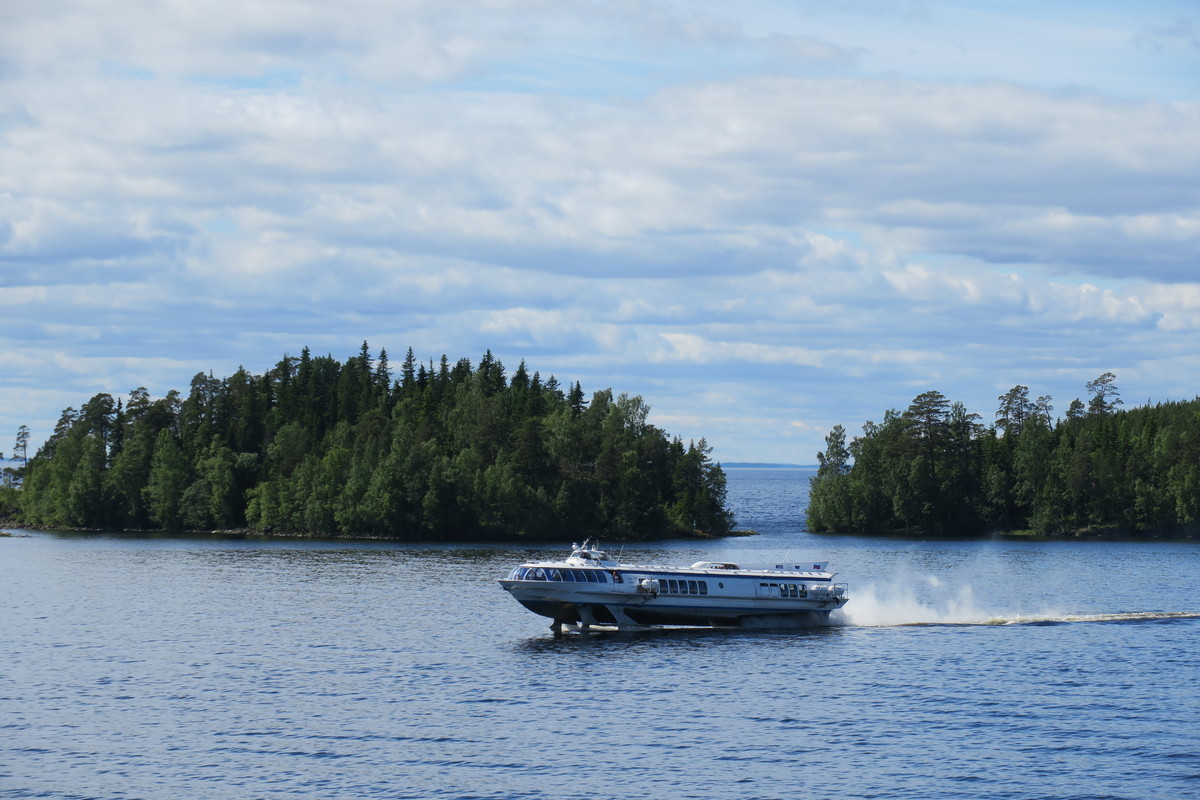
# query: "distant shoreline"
{"type": "Point", "coordinates": [763, 465]}
{"type": "Point", "coordinates": [13, 528]}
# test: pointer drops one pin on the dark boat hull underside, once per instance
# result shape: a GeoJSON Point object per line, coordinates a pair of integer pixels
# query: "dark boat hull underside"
{"type": "Point", "coordinates": [570, 614]}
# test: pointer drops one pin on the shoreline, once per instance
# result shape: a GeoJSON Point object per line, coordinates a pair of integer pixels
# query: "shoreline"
{"type": "Point", "coordinates": [9, 529]}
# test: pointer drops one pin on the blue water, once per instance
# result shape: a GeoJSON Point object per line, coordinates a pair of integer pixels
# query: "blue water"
{"type": "Point", "coordinates": [140, 667]}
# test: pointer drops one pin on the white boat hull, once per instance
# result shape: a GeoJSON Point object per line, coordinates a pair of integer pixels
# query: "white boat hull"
{"type": "Point", "coordinates": [627, 612]}
{"type": "Point", "coordinates": [593, 592]}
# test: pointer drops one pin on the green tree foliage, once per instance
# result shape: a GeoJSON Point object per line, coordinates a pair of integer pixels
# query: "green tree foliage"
{"type": "Point", "coordinates": [934, 469]}
{"type": "Point", "coordinates": [1105, 397]}
{"type": "Point", "coordinates": [168, 479]}
{"type": "Point", "coordinates": [314, 446]}
{"type": "Point", "coordinates": [835, 506]}
{"type": "Point", "coordinates": [21, 448]}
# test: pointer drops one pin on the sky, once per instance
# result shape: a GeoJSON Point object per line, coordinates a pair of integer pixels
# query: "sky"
{"type": "Point", "coordinates": [766, 218]}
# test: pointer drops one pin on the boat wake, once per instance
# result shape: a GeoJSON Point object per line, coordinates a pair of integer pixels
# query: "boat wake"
{"type": "Point", "coordinates": [900, 606]}
{"type": "Point", "coordinates": [1063, 619]}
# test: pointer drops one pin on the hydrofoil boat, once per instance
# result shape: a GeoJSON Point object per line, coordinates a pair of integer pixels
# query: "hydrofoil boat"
{"type": "Point", "coordinates": [591, 589]}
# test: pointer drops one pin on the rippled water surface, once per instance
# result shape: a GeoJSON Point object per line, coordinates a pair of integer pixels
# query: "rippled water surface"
{"type": "Point", "coordinates": [137, 667]}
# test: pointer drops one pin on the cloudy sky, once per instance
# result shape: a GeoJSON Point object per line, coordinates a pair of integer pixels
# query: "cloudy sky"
{"type": "Point", "coordinates": [764, 217]}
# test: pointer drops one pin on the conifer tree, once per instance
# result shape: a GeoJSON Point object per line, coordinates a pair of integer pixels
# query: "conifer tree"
{"type": "Point", "coordinates": [167, 482]}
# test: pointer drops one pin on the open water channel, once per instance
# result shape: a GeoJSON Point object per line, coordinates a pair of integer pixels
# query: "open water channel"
{"type": "Point", "coordinates": [143, 667]}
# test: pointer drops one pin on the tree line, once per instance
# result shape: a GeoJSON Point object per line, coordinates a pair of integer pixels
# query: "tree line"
{"type": "Point", "coordinates": [936, 469]}
{"type": "Point", "coordinates": [317, 446]}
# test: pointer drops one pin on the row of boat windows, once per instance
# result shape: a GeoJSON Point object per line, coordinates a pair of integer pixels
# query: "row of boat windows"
{"type": "Point", "coordinates": [671, 586]}
{"type": "Point", "coordinates": [543, 574]}
{"type": "Point", "coordinates": [782, 590]}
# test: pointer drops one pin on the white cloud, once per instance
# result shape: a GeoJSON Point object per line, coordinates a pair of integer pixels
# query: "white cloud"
{"type": "Point", "coordinates": [724, 167]}
{"type": "Point", "coordinates": [695, 349]}
{"type": "Point", "coordinates": [766, 219]}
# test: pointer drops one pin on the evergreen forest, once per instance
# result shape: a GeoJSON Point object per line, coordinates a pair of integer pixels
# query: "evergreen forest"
{"type": "Point", "coordinates": [936, 469]}
{"type": "Point", "coordinates": [315, 446]}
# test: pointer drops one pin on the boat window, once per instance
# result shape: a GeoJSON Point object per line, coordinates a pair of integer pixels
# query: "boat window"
{"type": "Point", "coordinates": [555, 576]}
{"type": "Point", "coordinates": [567, 575]}
{"type": "Point", "coordinates": [672, 586]}
{"type": "Point", "coordinates": [693, 588]}
{"type": "Point", "coordinates": [703, 587]}
{"type": "Point", "coordinates": [535, 575]}
{"type": "Point", "coordinates": [774, 590]}
{"type": "Point", "coordinates": [602, 577]}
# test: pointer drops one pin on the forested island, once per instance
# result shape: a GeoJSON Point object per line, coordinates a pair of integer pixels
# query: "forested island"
{"type": "Point", "coordinates": [318, 447]}
{"type": "Point", "coordinates": [935, 469]}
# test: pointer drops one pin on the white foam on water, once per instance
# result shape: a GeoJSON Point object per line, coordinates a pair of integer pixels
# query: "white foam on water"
{"type": "Point", "coordinates": [1123, 616]}
{"type": "Point", "coordinates": [897, 603]}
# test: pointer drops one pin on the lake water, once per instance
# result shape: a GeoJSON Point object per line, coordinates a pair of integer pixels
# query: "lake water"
{"type": "Point", "coordinates": [141, 667]}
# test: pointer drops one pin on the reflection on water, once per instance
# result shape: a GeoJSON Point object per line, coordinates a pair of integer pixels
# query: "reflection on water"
{"type": "Point", "coordinates": [668, 637]}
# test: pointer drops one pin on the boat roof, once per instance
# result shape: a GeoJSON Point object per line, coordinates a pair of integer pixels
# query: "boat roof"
{"type": "Point", "coordinates": [589, 555]}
